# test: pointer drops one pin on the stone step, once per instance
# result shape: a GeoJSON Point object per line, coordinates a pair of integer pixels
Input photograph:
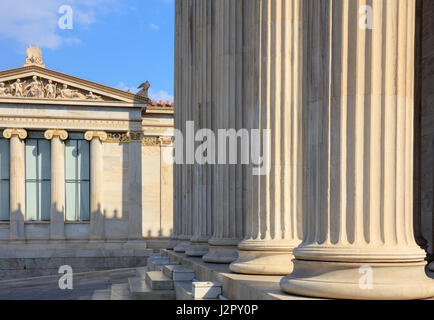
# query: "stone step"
{"type": "Point", "coordinates": [178, 273]}
{"type": "Point", "coordinates": [85, 298]}
{"type": "Point", "coordinates": [206, 290]}
{"type": "Point", "coordinates": [140, 290]}
{"type": "Point", "coordinates": [184, 291]}
{"type": "Point", "coordinates": [156, 280]}
{"type": "Point", "coordinates": [158, 265]}
{"type": "Point", "coordinates": [101, 294]}
{"type": "Point", "coordinates": [141, 272]}
{"type": "Point", "coordinates": [120, 292]}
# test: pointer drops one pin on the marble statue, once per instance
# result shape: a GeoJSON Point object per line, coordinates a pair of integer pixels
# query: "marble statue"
{"type": "Point", "coordinates": [92, 96]}
{"type": "Point", "coordinates": [145, 88]}
{"type": "Point", "coordinates": [17, 87]}
{"type": "Point", "coordinates": [34, 57]}
{"type": "Point", "coordinates": [50, 90]}
{"type": "Point", "coordinates": [35, 88]}
{"type": "Point", "coordinates": [66, 93]}
{"type": "Point", "coordinates": [4, 92]}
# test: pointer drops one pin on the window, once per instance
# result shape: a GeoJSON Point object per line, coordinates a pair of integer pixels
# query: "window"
{"type": "Point", "coordinates": [38, 177]}
{"type": "Point", "coordinates": [77, 178]}
{"type": "Point", "coordinates": [4, 179]}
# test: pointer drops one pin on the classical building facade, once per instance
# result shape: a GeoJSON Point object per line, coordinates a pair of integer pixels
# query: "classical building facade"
{"type": "Point", "coordinates": [83, 181]}
{"type": "Point", "coordinates": [346, 88]}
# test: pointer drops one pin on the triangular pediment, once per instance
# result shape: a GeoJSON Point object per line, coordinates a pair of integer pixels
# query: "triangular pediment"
{"type": "Point", "coordinates": [37, 84]}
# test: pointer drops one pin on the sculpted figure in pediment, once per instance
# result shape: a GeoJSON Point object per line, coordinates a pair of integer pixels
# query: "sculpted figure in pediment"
{"type": "Point", "coordinates": [35, 88]}
{"type": "Point", "coordinates": [66, 93]}
{"type": "Point", "coordinates": [17, 87]}
{"type": "Point", "coordinates": [4, 92]}
{"type": "Point", "coordinates": [92, 96]}
{"type": "Point", "coordinates": [50, 90]}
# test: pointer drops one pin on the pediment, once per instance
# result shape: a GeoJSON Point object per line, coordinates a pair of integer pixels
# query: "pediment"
{"type": "Point", "coordinates": [36, 84]}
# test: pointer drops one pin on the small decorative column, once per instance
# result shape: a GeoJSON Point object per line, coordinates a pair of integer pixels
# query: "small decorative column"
{"type": "Point", "coordinates": [274, 86]}
{"type": "Point", "coordinates": [57, 212]}
{"type": "Point", "coordinates": [96, 139]}
{"type": "Point", "coordinates": [358, 144]}
{"type": "Point", "coordinates": [17, 182]}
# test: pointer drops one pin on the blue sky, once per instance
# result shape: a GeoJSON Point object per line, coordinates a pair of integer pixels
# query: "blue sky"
{"type": "Point", "coordinates": [119, 43]}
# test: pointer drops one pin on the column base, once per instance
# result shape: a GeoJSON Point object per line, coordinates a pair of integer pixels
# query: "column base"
{"type": "Point", "coordinates": [172, 244]}
{"type": "Point", "coordinates": [182, 246]}
{"type": "Point", "coordinates": [197, 249]}
{"type": "Point", "coordinates": [221, 254]}
{"type": "Point", "coordinates": [341, 280]}
{"type": "Point", "coordinates": [263, 263]}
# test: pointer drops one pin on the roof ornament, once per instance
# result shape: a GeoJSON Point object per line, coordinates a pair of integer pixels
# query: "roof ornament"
{"type": "Point", "coordinates": [145, 88]}
{"type": "Point", "coordinates": [34, 57]}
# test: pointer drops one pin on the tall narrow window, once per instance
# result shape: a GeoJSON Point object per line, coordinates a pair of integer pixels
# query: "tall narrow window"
{"type": "Point", "coordinates": [4, 179]}
{"type": "Point", "coordinates": [77, 178]}
{"type": "Point", "coordinates": [38, 177]}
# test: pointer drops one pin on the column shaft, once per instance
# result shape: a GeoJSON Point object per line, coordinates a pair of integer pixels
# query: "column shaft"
{"type": "Point", "coordinates": [229, 207]}
{"type": "Point", "coordinates": [273, 225]}
{"type": "Point", "coordinates": [359, 156]}
{"type": "Point", "coordinates": [96, 184]}
{"type": "Point", "coordinates": [17, 182]}
{"type": "Point", "coordinates": [57, 208]}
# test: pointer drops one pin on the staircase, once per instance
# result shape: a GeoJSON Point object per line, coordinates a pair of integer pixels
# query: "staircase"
{"type": "Point", "coordinates": [162, 279]}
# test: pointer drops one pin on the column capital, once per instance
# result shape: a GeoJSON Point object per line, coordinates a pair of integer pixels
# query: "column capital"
{"type": "Point", "coordinates": [50, 134]}
{"type": "Point", "coordinates": [90, 135]}
{"type": "Point", "coordinates": [9, 133]}
{"type": "Point", "coordinates": [166, 141]}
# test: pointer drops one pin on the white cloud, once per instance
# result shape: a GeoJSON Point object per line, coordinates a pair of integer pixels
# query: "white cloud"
{"type": "Point", "coordinates": [36, 21]}
{"type": "Point", "coordinates": [158, 95]}
{"type": "Point", "coordinates": [154, 27]}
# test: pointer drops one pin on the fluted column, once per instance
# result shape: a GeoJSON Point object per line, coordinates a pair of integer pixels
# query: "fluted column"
{"type": "Point", "coordinates": [17, 182]}
{"type": "Point", "coordinates": [273, 224]}
{"type": "Point", "coordinates": [96, 139]}
{"type": "Point", "coordinates": [229, 208]}
{"type": "Point", "coordinates": [183, 101]}
{"type": "Point", "coordinates": [57, 208]}
{"type": "Point", "coordinates": [359, 241]}
{"type": "Point", "coordinates": [202, 72]}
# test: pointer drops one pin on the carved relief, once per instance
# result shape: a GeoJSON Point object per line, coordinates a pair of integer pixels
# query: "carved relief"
{"type": "Point", "coordinates": [39, 88]}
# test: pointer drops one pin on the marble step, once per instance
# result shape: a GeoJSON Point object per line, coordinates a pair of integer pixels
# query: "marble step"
{"type": "Point", "coordinates": [158, 264]}
{"type": "Point", "coordinates": [184, 291]}
{"type": "Point", "coordinates": [141, 272]}
{"type": "Point", "coordinates": [206, 290]}
{"type": "Point", "coordinates": [157, 280]}
{"type": "Point", "coordinates": [101, 294]}
{"type": "Point", "coordinates": [120, 292]}
{"type": "Point", "coordinates": [178, 273]}
{"type": "Point", "coordinates": [140, 290]}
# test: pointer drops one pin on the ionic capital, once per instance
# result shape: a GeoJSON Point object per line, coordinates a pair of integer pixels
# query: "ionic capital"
{"type": "Point", "coordinates": [50, 134]}
{"type": "Point", "coordinates": [90, 135]}
{"type": "Point", "coordinates": [20, 133]}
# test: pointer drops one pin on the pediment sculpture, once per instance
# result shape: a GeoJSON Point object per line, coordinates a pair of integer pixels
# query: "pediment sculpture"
{"type": "Point", "coordinates": [44, 89]}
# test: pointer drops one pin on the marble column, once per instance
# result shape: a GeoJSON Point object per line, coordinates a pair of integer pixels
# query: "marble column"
{"type": "Point", "coordinates": [358, 197]}
{"type": "Point", "coordinates": [273, 71]}
{"type": "Point", "coordinates": [183, 100]}
{"type": "Point", "coordinates": [96, 139]}
{"type": "Point", "coordinates": [202, 72]}
{"type": "Point", "coordinates": [57, 211]}
{"type": "Point", "coordinates": [17, 182]}
{"type": "Point", "coordinates": [229, 207]}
